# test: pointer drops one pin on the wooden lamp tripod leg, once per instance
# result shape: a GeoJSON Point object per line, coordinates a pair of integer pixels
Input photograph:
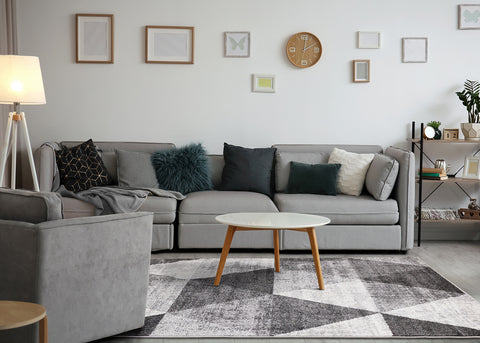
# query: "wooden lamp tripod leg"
{"type": "Point", "coordinates": [3, 162]}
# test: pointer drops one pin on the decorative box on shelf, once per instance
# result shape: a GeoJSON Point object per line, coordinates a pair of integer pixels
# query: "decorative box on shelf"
{"type": "Point", "coordinates": [466, 213]}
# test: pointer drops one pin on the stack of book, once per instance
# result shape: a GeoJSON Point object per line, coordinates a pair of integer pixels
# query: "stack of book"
{"type": "Point", "coordinates": [433, 174]}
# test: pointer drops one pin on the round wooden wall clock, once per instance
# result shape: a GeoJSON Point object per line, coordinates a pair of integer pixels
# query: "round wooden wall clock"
{"type": "Point", "coordinates": [304, 49]}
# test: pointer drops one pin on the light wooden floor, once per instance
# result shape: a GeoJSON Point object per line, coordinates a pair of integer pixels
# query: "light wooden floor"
{"type": "Point", "coordinates": [459, 262]}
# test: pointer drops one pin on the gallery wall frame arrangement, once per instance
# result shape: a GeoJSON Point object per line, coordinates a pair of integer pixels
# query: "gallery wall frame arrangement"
{"type": "Point", "coordinates": [236, 44]}
{"type": "Point", "coordinates": [94, 38]}
{"type": "Point", "coordinates": [368, 40]}
{"type": "Point", "coordinates": [361, 71]}
{"type": "Point", "coordinates": [469, 17]}
{"type": "Point", "coordinates": [414, 50]}
{"type": "Point", "coordinates": [169, 44]}
{"type": "Point", "coordinates": [263, 83]}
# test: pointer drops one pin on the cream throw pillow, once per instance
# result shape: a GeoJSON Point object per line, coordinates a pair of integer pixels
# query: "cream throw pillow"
{"type": "Point", "coordinates": [351, 176]}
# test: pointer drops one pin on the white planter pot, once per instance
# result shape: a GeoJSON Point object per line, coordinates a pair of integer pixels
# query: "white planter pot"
{"type": "Point", "coordinates": [471, 131]}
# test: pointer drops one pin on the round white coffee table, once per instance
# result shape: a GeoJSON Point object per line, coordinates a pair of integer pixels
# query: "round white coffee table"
{"type": "Point", "coordinates": [275, 222]}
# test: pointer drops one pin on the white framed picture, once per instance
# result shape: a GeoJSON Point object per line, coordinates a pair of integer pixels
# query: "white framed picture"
{"type": "Point", "coordinates": [361, 71]}
{"type": "Point", "coordinates": [469, 17]}
{"type": "Point", "coordinates": [415, 50]}
{"type": "Point", "coordinates": [169, 44]}
{"type": "Point", "coordinates": [368, 40]}
{"type": "Point", "coordinates": [471, 168]}
{"type": "Point", "coordinates": [237, 44]}
{"type": "Point", "coordinates": [94, 38]}
{"type": "Point", "coordinates": [263, 83]}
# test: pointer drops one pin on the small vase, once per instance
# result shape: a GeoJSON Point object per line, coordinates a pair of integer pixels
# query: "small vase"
{"type": "Point", "coordinates": [471, 131]}
{"type": "Point", "coordinates": [438, 134]}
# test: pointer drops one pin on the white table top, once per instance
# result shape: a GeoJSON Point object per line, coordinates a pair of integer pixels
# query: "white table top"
{"type": "Point", "coordinates": [281, 220]}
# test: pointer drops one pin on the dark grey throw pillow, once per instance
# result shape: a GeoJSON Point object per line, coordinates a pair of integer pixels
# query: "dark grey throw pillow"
{"type": "Point", "coordinates": [381, 176]}
{"type": "Point", "coordinates": [184, 169]}
{"type": "Point", "coordinates": [313, 178]}
{"type": "Point", "coordinates": [135, 169]}
{"type": "Point", "coordinates": [247, 169]}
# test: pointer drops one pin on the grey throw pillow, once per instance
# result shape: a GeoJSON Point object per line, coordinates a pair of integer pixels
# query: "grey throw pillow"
{"type": "Point", "coordinates": [134, 169]}
{"type": "Point", "coordinates": [381, 176]}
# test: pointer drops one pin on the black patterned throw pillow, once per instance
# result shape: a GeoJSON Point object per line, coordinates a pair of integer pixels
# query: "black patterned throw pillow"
{"type": "Point", "coordinates": [81, 167]}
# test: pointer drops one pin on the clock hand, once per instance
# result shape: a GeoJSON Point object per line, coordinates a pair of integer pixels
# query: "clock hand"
{"type": "Point", "coordinates": [305, 49]}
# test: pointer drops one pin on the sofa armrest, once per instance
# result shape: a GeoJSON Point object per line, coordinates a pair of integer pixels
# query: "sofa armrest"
{"type": "Point", "coordinates": [90, 273]}
{"type": "Point", "coordinates": [46, 166]}
{"type": "Point", "coordinates": [404, 193]}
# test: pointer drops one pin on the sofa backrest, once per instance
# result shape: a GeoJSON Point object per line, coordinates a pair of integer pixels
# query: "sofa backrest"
{"type": "Point", "coordinates": [311, 154]}
{"type": "Point", "coordinates": [109, 157]}
{"type": "Point", "coordinates": [28, 206]}
{"type": "Point", "coordinates": [216, 164]}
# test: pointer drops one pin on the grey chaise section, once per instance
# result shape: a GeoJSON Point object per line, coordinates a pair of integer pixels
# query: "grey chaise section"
{"type": "Point", "coordinates": [164, 209]}
{"type": "Point", "coordinates": [90, 273]}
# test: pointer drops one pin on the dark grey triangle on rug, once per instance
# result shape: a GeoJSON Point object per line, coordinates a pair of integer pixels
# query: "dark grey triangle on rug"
{"type": "Point", "coordinates": [381, 296]}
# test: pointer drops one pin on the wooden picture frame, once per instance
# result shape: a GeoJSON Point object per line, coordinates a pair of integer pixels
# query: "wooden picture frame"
{"type": "Point", "coordinates": [94, 38]}
{"type": "Point", "coordinates": [469, 17]}
{"type": "Point", "coordinates": [471, 168]}
{"type": "Point", "coordinates": [169, 44]}
{"type": "Point", "coordinates": [450, 134]}
{"type": "Point", "coordinates": [361, 71]}
{"type": "Point", "coordinates": [368, 40]}
{"type": "Point", "coordinates": [263, 83]}
{"type": "Point", "coordinates": [415, 50]}
{"type": "Point", "coordinates": [236, 44]}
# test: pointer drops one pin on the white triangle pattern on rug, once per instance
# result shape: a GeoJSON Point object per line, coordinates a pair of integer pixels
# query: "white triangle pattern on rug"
{"type": "Point", "coordinates": [459, 311]}
{"type": "Point", "coordinates": [368, 326]}
{"type": "Point", "coordinates": [348, 294]}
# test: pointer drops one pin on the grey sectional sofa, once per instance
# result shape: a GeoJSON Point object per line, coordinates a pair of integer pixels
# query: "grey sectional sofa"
{"type": "Point", "coordinates": [357, 222]}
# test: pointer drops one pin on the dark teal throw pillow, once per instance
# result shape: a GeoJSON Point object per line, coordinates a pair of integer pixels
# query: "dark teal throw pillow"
{"type": "Point", "coordinates": [313, 178]}
{"type": "Point", "coordinates": [184, 169]}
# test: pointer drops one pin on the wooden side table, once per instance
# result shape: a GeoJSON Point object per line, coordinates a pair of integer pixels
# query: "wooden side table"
{"type": "Point", "coordinates": [15, 314]}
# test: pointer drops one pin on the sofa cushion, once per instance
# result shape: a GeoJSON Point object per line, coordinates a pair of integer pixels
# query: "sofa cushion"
{"type": "Point", "coordinates": [28, 206]}
{"type": "Point", "coordinates": [381, 176]}
{"type": "Point", "coordinates": [184, 170]}
{"type": "Point", "coordinates": [134, 169]}
{"type": "Point", "coordinates": [313, 178]}
{"type": "Point", "coordinates": [341, 209]}
{"type": "Point", "coordinates": [351, 176]}
{"type": "Point", "coordinates": [203, 207]}
{"type": "Point", "coordinates": [282, 164]}
{"type": "Point", "coordinates": [81, 167]}
{"type": "Point", "coordinates": [247, 169]}
{"type": "Point", "coordinates": [163, 209]}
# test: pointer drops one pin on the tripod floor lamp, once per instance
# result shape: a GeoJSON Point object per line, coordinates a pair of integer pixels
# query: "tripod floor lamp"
{"type": "Point", "coordinates": [20, 83]}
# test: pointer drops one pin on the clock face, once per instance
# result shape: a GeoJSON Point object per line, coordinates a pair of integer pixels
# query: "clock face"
{"type": "Point", "coordinates": [304, 49]}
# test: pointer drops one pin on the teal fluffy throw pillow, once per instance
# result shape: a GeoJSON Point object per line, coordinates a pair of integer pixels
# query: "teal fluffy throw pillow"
{"type": "Point", "coordinates": [184, 169]}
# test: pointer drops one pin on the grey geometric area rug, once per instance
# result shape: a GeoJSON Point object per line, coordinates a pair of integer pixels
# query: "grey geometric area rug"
{"type": "Point", "coordinates": [388, 296]}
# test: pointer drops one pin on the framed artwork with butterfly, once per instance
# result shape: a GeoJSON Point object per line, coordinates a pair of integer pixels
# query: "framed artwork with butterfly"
{"type": "Point", "coordinates": [237, 44]}
{"type": "Point", "coordinates": [469, 17]}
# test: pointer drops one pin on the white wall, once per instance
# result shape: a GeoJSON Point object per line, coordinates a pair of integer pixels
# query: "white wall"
{"type": "Point", "coordinates": [211, 101]}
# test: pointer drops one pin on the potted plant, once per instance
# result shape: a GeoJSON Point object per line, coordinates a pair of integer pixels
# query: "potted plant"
{"type": "Point", "coordinates": [470, 98]}
{"type": "Point", "coordinates": [436, 124]}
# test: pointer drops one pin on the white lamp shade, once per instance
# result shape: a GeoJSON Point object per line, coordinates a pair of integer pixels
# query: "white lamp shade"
{"type": "Point", "coordinates": [21, 80]}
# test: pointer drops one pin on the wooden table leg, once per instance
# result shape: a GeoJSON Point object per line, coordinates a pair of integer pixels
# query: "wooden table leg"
{"type": "Point", "coordinates": [276, 244]}
{"type": "Point", "coordinates": [43, 330]}
{"type": "Point", "coordinates": [225, 250]}
{"type": "Point", "coordinates": [316, 256]}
